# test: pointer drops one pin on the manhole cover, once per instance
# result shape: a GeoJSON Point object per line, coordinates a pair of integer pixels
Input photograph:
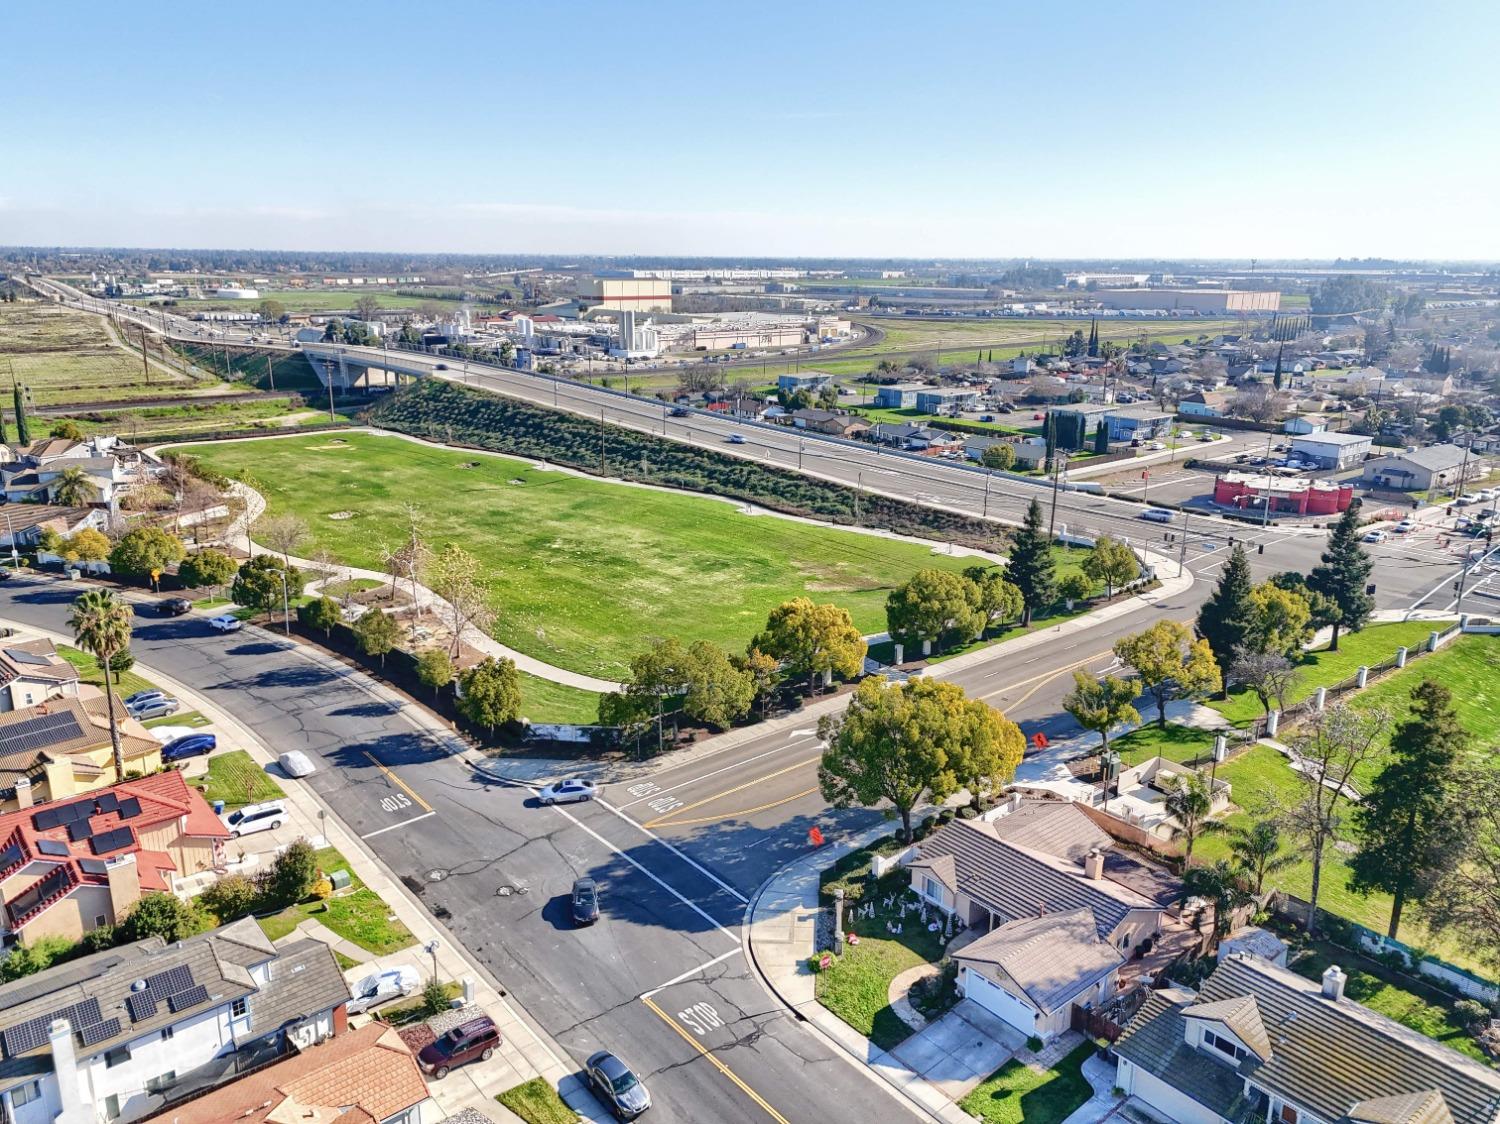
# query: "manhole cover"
{"type": "Point", "coordinates": [436, 875]}
{"type": "Point", "coordinates": [507, 891]}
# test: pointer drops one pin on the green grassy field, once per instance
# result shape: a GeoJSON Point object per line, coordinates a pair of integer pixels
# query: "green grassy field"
{"type": "Point", "coordinates": [583, 573]}
{"type": "Point", "coordinates": [545, 701]}
{"type": "Point", "coordinates": [237, 780]}
{"type": "Point", "coordinates": [207, 416]}
{"type": "Point", "coordinates": [356, 914]}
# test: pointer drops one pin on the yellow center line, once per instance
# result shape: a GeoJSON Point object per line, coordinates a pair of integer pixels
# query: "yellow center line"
{"type": "Point", "coordinates": [731, 791]}
{"type": "Point", "coordinates": [668, 821]}
{"type": "Point", "coordinates": [1044, 677]}
{"type": "Point", "coordinates": [399, 783]}
{"type": "Point", "coordinates": [720, 1066]}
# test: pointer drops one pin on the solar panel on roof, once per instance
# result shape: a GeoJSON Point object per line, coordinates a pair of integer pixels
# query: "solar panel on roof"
{"type": "Point", "coordinates": [109, 802]}
{"type": "Point", "coordinates": [186, 999]}
{"type": "Point", "coordinates": [80, 829]}
{"type": "Point", "coordinates": [78, 810]}
{"type": "Point", "coordinates": [52, 847]}
{"type": "Point", "coordinates": [93, 866]}
{"type": "Point", "coordinates": [32, 1034]}
{"type": "Point", "coordinates": [31, 734]}
{"type": "Point", "coordinates": [10, 855]}
{"type": "Point", "coordinates": [21, 655]}
{"type": "Point", "coordinates": [45, 820]}
{"type": "Point", "coordinates": [169, 982]}
{"type": "Point", "coordinates": [141, 1005]}
{"type": "Point", "coordinates": [109, 841]}
{"type": "Point", "coordinates": [98, 1032]}
{"type": "Point", "coordinates": [38, 892]}
{"type": "Point", "coordinates": [130, 808]}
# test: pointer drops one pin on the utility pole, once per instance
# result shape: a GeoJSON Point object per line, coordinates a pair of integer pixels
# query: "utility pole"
{"type": "Point", "coordinates": [145, 364]}
{"type": "Point", "coordinates": [602, 462]}
{"type": "Point", "coordinates": [1056, 472]}
{"type": "Point", "coordinates": [270, 371]}
{"type": "Point", "coordinates": [332, 417]}
{"type": "Point", "coordinates": [859, 480]}
{"type": "Point", "coordinates": [1182, 554]}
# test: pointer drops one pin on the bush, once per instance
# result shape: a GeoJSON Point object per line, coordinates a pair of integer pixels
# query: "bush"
{"type": "Point", "coordinates": [435, 995]}
{"type": "Point", "coordinates": [161, 915]}
{"type": "Point", "coordinates": [1470, 1011]}
{"type": "Point", "coordinates": [290, 878]}
{"type": "Point", "coordinates": [230, 898]}
{"type": "Point", "coordinates": [98, 939]}
{"type": "Point", "coordinates": [1033, 1043]}
{"type": "Point", "coordinates": [41, 954]}
{"type": "Point", "coordinates": [821, 962]}
{"type": "Point", "coordinates": [322, 889]}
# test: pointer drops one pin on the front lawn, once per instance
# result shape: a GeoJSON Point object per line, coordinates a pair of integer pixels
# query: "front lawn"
{"type": "Point", "coordinates": [356, 914]}
{"type": "Point", "coordinates": [89, 671]}
{"type": "Point", "coordinates": [1174, 742]}
{"type": "Point", "coordinates": [236, 779]}
{"type": "Point", "coordinates": [1016, 1092]}
{"type": "Point", "coordinates": [537, 1102]}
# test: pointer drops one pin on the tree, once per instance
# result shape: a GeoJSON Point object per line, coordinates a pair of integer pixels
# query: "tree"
{"type": "Point", "coordinates": [996, 598]}
{"type": "Point", "coordinates": [1031, 568]}
{"type": "Point", "coordinates": [1227, 617]}
{"type": "Point", "coordinates": [1171, 664]}
{"type": "Point", "coordinates": [271, 310]}
{"type": "Point", "coordinates": [161, 915]}
{"type": "Point", "coordinates": [321, 614]}
{"type": "Point", "coordinates": [453, 574]}
{"type": "Point", "coordinates": [43, 952]}
{"type": "Point", "coordinates": [931, 603]}
{"type": "Point", "coordinates": [290, 877]}
{"type": "Point", "coordinates": [23, 429]}
{"type": "Point", "coordinates": [1281, 620]}
{"type": "Point", "coordinates": [1344, 574]}
{"type": "Point", "coordinates": [718, 692]}
{"type": "Point", "coordinates": [1001, 457]}
{"type": "Point", "coordinates": [1190, 801]}
{"type": "Point", "coordinates": [73, 488]}
{"type": "Point", "coordinates": [366, 307]}
{"type": "Point", "coordinates": [263, 584]}
{"type": "Point", "coordinates": [209, 568]}
{"type": "Point", "coordinates": [828, 396]}
{"type": "Point", "coordinates": [86, 545]}
{"type": "Point", "coordinates": [990, 748]}
{"type": "Point", "coordinates": [812, 640]}
{"type": "Point", "coordinates": [376, 632]}
{"type": "Point", "coordinates": [1216, 883]}
{"type": "Point", "coordinates": [1101, 439]}
{"type": "Point", "coordinates": [101, 626]}
{"type": "Point", "coordinates": [1409, 830]}
{"type": "Point", "coordinates": [230, 897]}
{"type": "Point", "coordinates": [434, 669]}
{"type": "Point", "coordinates": [764, 673]}
{"type": "Point", "coordinates": [146, 552]}
{"type": "Point", "coordinates": [1101, 704]}
{"type": "Point", "coordinates": [67, 429]}
{"type": "Point", "coordinates": [1270, 675]}
{"type": "Point", "coordinates": [1347, 293]}
{"type": "Point", "coordinates": [1258, 854]}
{"type": "Point", "coordinates": [281, 533]}
{"type": "Point", "coordinates": [491, 693]}
{"type": "Point", "coordinates": [1111, 563]}
{"type": "Point", "coordinates": [1331, 747]}
{"type": "Point", "coordinates": [1075, 587]}
{"type": "Point", "coordinates": [1467, 899]}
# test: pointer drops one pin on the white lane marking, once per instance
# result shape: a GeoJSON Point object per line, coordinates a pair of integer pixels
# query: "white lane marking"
{"type": "Point", "coordinates": [656, 789]}
{"type": "Point", "coordinates": [394, 826]}
{"type": "Point", "coordinates": [699, 867]}
{"type": "Point", "coordinates": [691, 972]}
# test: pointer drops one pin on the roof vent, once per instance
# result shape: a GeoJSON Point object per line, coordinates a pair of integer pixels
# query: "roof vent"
{"type": "Point", "coordinates": [1333, 983]}
{"type": "Point", "coordinates": [139, 985]}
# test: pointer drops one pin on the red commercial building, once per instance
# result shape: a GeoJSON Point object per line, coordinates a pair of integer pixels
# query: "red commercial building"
{"type": "Point", "coordinates": [1251, 492]}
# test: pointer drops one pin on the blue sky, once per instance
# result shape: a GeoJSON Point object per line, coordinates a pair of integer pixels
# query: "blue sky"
{"type": "Point", "coordinates": [1115, 128]}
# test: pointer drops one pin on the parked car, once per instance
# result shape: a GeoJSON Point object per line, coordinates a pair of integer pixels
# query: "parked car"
{"type": "Point", "coordinates": [570, 791]}
{"type": "Point", "coordinates": [141, 698]}
{"type": "Point", "coordinates": [1007, 408]}
{"type": "Point", "coordinates": [295, 763]}
{"type": "Point", "coordinates": [618, 1085]}
{"type": "Point", "coordinates": [1375, 536]}
{"type": "Point", "coordinates": [226, 623]}
{"type": "Point", "coordinates": [585, 901]}
{"type": "Point", "coordinates": [382, 987]}
{"type": "Point", "coordinates": [154, 708]}
{"type": "Point", "coordinates": [475, 1040]}
{"type": "Point", "coordinates": [174, 607]}
{"type": "Point", "coordinates": [441, 367]}
{"type": "Point", "coordinates": [1156, 515]}
{"type": "Point", "coordinates": [166, 735]}
{"type": "Point", "coordinates": [255, 817]}
{"type": "Point", "coordinates": [194, 745]}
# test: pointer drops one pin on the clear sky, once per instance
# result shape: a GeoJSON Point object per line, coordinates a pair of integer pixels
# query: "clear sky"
{"type": "Point", "coordinates": [921, 128]}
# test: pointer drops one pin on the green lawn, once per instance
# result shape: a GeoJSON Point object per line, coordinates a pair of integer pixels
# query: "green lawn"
{"type": "Point", "coordinates": [545, 701]}
{"type": "Point", "coordinates": [582, 573]}
{"type": "Point", "coordinates": [356, 914]}
{"type": "Point", "coordinates": [1174, 742]}
{"type": "Point", "coordinates": [181, 718]}
{"type": "Point", "coordinates": [126, 683]}
{"type": "Point", "coordinates": [537, 1102]}
{"type": "Point", "coordinates": [236, 779]}
{"type": "Point", "coordinates": [1016, 1092]}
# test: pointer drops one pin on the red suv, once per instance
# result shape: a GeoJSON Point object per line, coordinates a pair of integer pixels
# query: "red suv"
{"type": "Point", "coordinates": [473, 1040]}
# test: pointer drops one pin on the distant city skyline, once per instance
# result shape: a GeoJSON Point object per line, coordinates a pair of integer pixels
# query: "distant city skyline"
{"type": "Point", "coordinates": [1096, 130]}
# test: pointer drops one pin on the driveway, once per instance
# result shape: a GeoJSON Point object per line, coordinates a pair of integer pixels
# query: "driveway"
{"type": "Point", "coordinates": [960, 1050]}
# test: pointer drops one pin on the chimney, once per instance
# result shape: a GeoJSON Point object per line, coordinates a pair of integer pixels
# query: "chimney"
{"type": "Point", "coordinates": [124, 885]}
{"type": "Point", "coordinates": [1333, 983]}
{"type": "Point", "coordinates": [23, 793]}
{"type": "Point", "coordinates": [1093, 865]}
{"type": "Point", "coordinates": [75, 1110]}
{"type": "Point", "coordinates": [1015, 801]}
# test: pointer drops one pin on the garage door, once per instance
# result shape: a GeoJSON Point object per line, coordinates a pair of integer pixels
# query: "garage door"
{"type": "Point", "coordinates": [997, 1000]}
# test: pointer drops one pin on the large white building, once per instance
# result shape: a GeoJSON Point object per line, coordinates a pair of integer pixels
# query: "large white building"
{"type": "Point", "coordinates": [618, 293]}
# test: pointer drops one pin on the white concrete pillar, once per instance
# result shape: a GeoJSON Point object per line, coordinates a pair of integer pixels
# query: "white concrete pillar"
{"type": "Point", "coordinates": [926, 648]}
{"type": "Point", "coordinates": [828, 678]}
{"type": "Point", "coordinates": [1361, 676]}
{"type": "Point", "coordinates": [1320, 698]}
{"type": "Point", "coordinates": [1400, 657]}
{"type": "Point", "coordinates": [1273, 720]}
{"type": "Point", "coordinates": [838, 921]}
{"type": "Point", "coordinates": [1432, 639]}
{"type": "Point", "coordinates": [898, 653]}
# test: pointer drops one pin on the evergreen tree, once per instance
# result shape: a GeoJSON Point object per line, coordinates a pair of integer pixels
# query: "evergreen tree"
{"type": "Point", "coordinates": [23, 431]}
{"type": "Point", "coordinates": [1093, 339]}
{"type": "Point", "coordinates": [1276, 378]}
{"type": "Point", "coordinates": [1031, 568]}
{"type": "Point", "coordinates": [4, 433]}
{"type": "Point", "coordinates": [1101, 438]}
{"type": "Point", "coordinates": [1344, 575]}
{"type": "Point", "coordinates": [1227, 618]}
{"type": "Point", "coordinates": [1408, 827]}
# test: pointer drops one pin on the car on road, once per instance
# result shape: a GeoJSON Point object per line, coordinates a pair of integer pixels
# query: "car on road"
{"type": "Point", "coordinates": [1469, 499]}
{"type": "Point", "coordinates": [226, 623]}
{"type": "Point", "coordinates": [1405, 526]}
{"type": "Point", "coordinates": [1156, 445]}
{"type": "Point", "coordinates": [614, 1081]}
{"type": "Point", "coordinates": [441, 367]}
{"type": "Point", "coordinates": [1007, 408]}
{"type": "Point", "coordinates": [382, 987]}
{"type": "Point", "coordinates": [153, 708]}
{"type": "Point", "coordinates": [295, 763]}
{"type": "Point", "coordinates": [255, 817]}
{"type": "Point", "coordinates": [1156, 515]}
{"type": "Point", "coordinates": [173, 607]}
{"type": "Point", "coordinates": [193, 745]}
{"type": "Point", "coordinates": [736, 438]}
{"type": "Point", "coordinates": [679, 411]}
{"type": "Point", "coordinates": [572, 790]}
{"type": "Point", "coordinates": [6, 575]}
{"type": "Point", "coordinates": [475, 1040]}
{"type": "Point", "coordinates": [1375, 536]}
{"type": "Point", "coordinates": [585, 901]}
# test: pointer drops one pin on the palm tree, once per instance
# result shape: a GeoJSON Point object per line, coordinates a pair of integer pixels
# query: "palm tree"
{"type": "Point", "coordinates": [73, 488]}
{"type": "Point", "coordinates": [1220, 885]}
{"type": "Point", "coordinates": [101, 625]}
{"type": "Point", "coordinates": [1257, 853]}
{"type": "Point", "coordinates": [1191, 802]}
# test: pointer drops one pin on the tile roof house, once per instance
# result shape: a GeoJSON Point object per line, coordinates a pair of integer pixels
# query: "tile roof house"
{"type": "Point", "coordinates": [32, 672]}
{"type": "Point", "coordinates": [110, 465]}
{"type": "Point", "coordinates": [118, 1034]}
{"type": "Point", "coordinates": [365, 1076]}
{"type": "Point", "coordinates": [70, 866]}
{"type": "Point", "coordinates": [1062, 909]}
{"type": "Point", "coordinates": [1259, 1041]}
{"type": "Point", "coordinates": [60, 747]}
{"type": "Point", "coordinates": [23, 523]}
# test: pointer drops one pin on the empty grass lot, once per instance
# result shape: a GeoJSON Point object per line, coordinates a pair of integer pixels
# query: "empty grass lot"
{"type": "Point", "coordinates": [582, 573]}
{"type": "Point", "coordinates": [1017, 1092]}
{"type": "Point", "coordinates": [356, 914]}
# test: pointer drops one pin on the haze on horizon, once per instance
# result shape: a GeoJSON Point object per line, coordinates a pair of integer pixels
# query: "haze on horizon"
{"type": "Point", "coordinates": [955, 130]}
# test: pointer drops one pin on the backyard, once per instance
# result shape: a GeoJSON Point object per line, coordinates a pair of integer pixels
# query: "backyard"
{"type": "Point", "coordinates": [634, 566]}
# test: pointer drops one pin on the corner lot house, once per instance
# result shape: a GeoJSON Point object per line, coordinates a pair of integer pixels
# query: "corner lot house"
{"type": "Point", "coordinates": [60, 747]}
{"type": "Point", "coordinates": [1419, 470]}
{"type": "Point", "coordinates": [1205, 404]}
{"type": "Point", "coordinates": [810, 381]}
{"type": "Point", "coordinates": [1332, 450]}
{"type": "Point", "coordinates": [1261, 1042]}
{"type": "Point", "coordinates": [1144, 423]}
{"type": "Point", "coordinates": [31, 672]}
{"type": "Point", "coordinates": [119, 1034]}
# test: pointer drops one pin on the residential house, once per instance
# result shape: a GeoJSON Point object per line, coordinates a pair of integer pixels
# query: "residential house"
{"type": "Point", "coordinates": [1260, 1042]}
{"type": "Point", "coordinates": [1048, 388]}
{"type": "Point", "coordinates": [941, 399]}
{"type": "Point", "coordinates": [1420, 382]}
{"type": "Point", "coordinates": [31, 672]}
{"type": "Point", "coordinates": [1031, 453]}
{"type": "Point", "coordinates": [22, 524]}
{"type": "Point", "coordinates": [368, 1074]}
{"type": "Point", "coordinates": [898, 395]}
{"type": "Point", "coordinates": [1074, 424]}
{"type": "Point", "coordinates": [1028, 862]}
{"type": "Point", "coordinates": [810, 381]}
{"type": "Point", "coordinates": [1416, 470]}
{"type": "Point", "coordinates": [1138, 423]}
{"type": "Point", "coordinates": [1304, 424]}
{"type": "Point", "coordinates": [830, 421]}
{"type": "Point", "coordinates": [1333, 450]}
{"type": "Point", "coordinates": [61, 747]}
{"type": "Point", "coordinates": [110, 465]}
{"type": "Point", "coordinates": [71, 866]}
{"type": "Point", "coordinates": [914, 438]}
{"type": "Point", "coordinates": [975, 447]}
{"type": "Point", "coordinates": [752, 409]}
{"type": "Point", "coordinates": [1205, 404]}
{"type": "Point", "coordinates": [118, 1035]}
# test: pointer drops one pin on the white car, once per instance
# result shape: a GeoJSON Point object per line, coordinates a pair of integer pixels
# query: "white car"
{"type": "Point", "coordinates": [295, 763]}
{"type": "Point", "coordinates": [168, 734]}
{"type": "Point", "coordinates": [1375, 536]}
{"type": "Point", "coordinates": [1404, 526]}
{"type": "Point", "coordinates": [382, 987]}
{"type": "Point", "coordinates": [573, 790]}
{"type": "Point", "coordinates": [1156, 515]}
{"type": "Point", "coordinates": [255, 817]}
{"type": "Point", "coordinates": [226, 623]}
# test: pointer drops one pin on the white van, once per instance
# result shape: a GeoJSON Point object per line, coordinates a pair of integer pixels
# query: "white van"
{"type": "Point", "coordinates": [255, 817]}
{"type": "Point", "coordinates": [1157, 515]}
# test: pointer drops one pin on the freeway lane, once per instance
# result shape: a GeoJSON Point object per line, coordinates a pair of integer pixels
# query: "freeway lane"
{"type": "Point", "coordinates": [712, 1044]}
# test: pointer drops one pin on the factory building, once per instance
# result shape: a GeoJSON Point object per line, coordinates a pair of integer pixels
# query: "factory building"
{"type": "Point", "coordinates": [619, 293]}
{"type": "Point", "coordinates": [1191, 300]}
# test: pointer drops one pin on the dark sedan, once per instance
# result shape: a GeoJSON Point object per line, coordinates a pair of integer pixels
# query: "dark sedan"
{"type": "Point", "coordinates": [620, 1088]}
{"type": "Point", "coordinates": [585, 901]}
{"type": "Point", "coordinates": [190, 745]}
{"type": "Point", "coordinates": [174, 607]}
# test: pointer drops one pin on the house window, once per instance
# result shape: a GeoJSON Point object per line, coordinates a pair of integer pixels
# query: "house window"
{"type": "Point", "coordinates": [1288, 1114]}
{"type": "Point", "coordinates": [100, 921]}
{"type": "Point", "coordinates": [162, 1083]}
{"type": "Point", "coordinates": [25, 1094]}
{"type": "Point", "coordinates": [1226, 1046]}
{"type": "Point", "coordinates": [112, 1106]}
{"type": "Point", "coordinates": [167, 1032]}
{"type": "Point", "coordinates": [118, 1056]}
{"type": "Point", "coordinates": [239, 1008]}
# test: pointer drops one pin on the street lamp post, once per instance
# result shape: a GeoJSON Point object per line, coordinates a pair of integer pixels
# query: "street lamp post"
{"type": "Point", "coordinates": [432, 948]}
{"type": "Point", "coordinates": [286, 609]}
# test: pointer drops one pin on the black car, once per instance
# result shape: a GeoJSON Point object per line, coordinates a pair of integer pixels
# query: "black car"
{"type": "Point", "coordinates": [621, 1089]}
{"type": "Point", "coordinates": [174, 607]}
{"type": "Point", "coordinates": [585, 901]}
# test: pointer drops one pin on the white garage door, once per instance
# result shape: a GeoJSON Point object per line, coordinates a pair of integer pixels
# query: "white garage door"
{"type": "Point", "coordinates": [999, 1001]}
